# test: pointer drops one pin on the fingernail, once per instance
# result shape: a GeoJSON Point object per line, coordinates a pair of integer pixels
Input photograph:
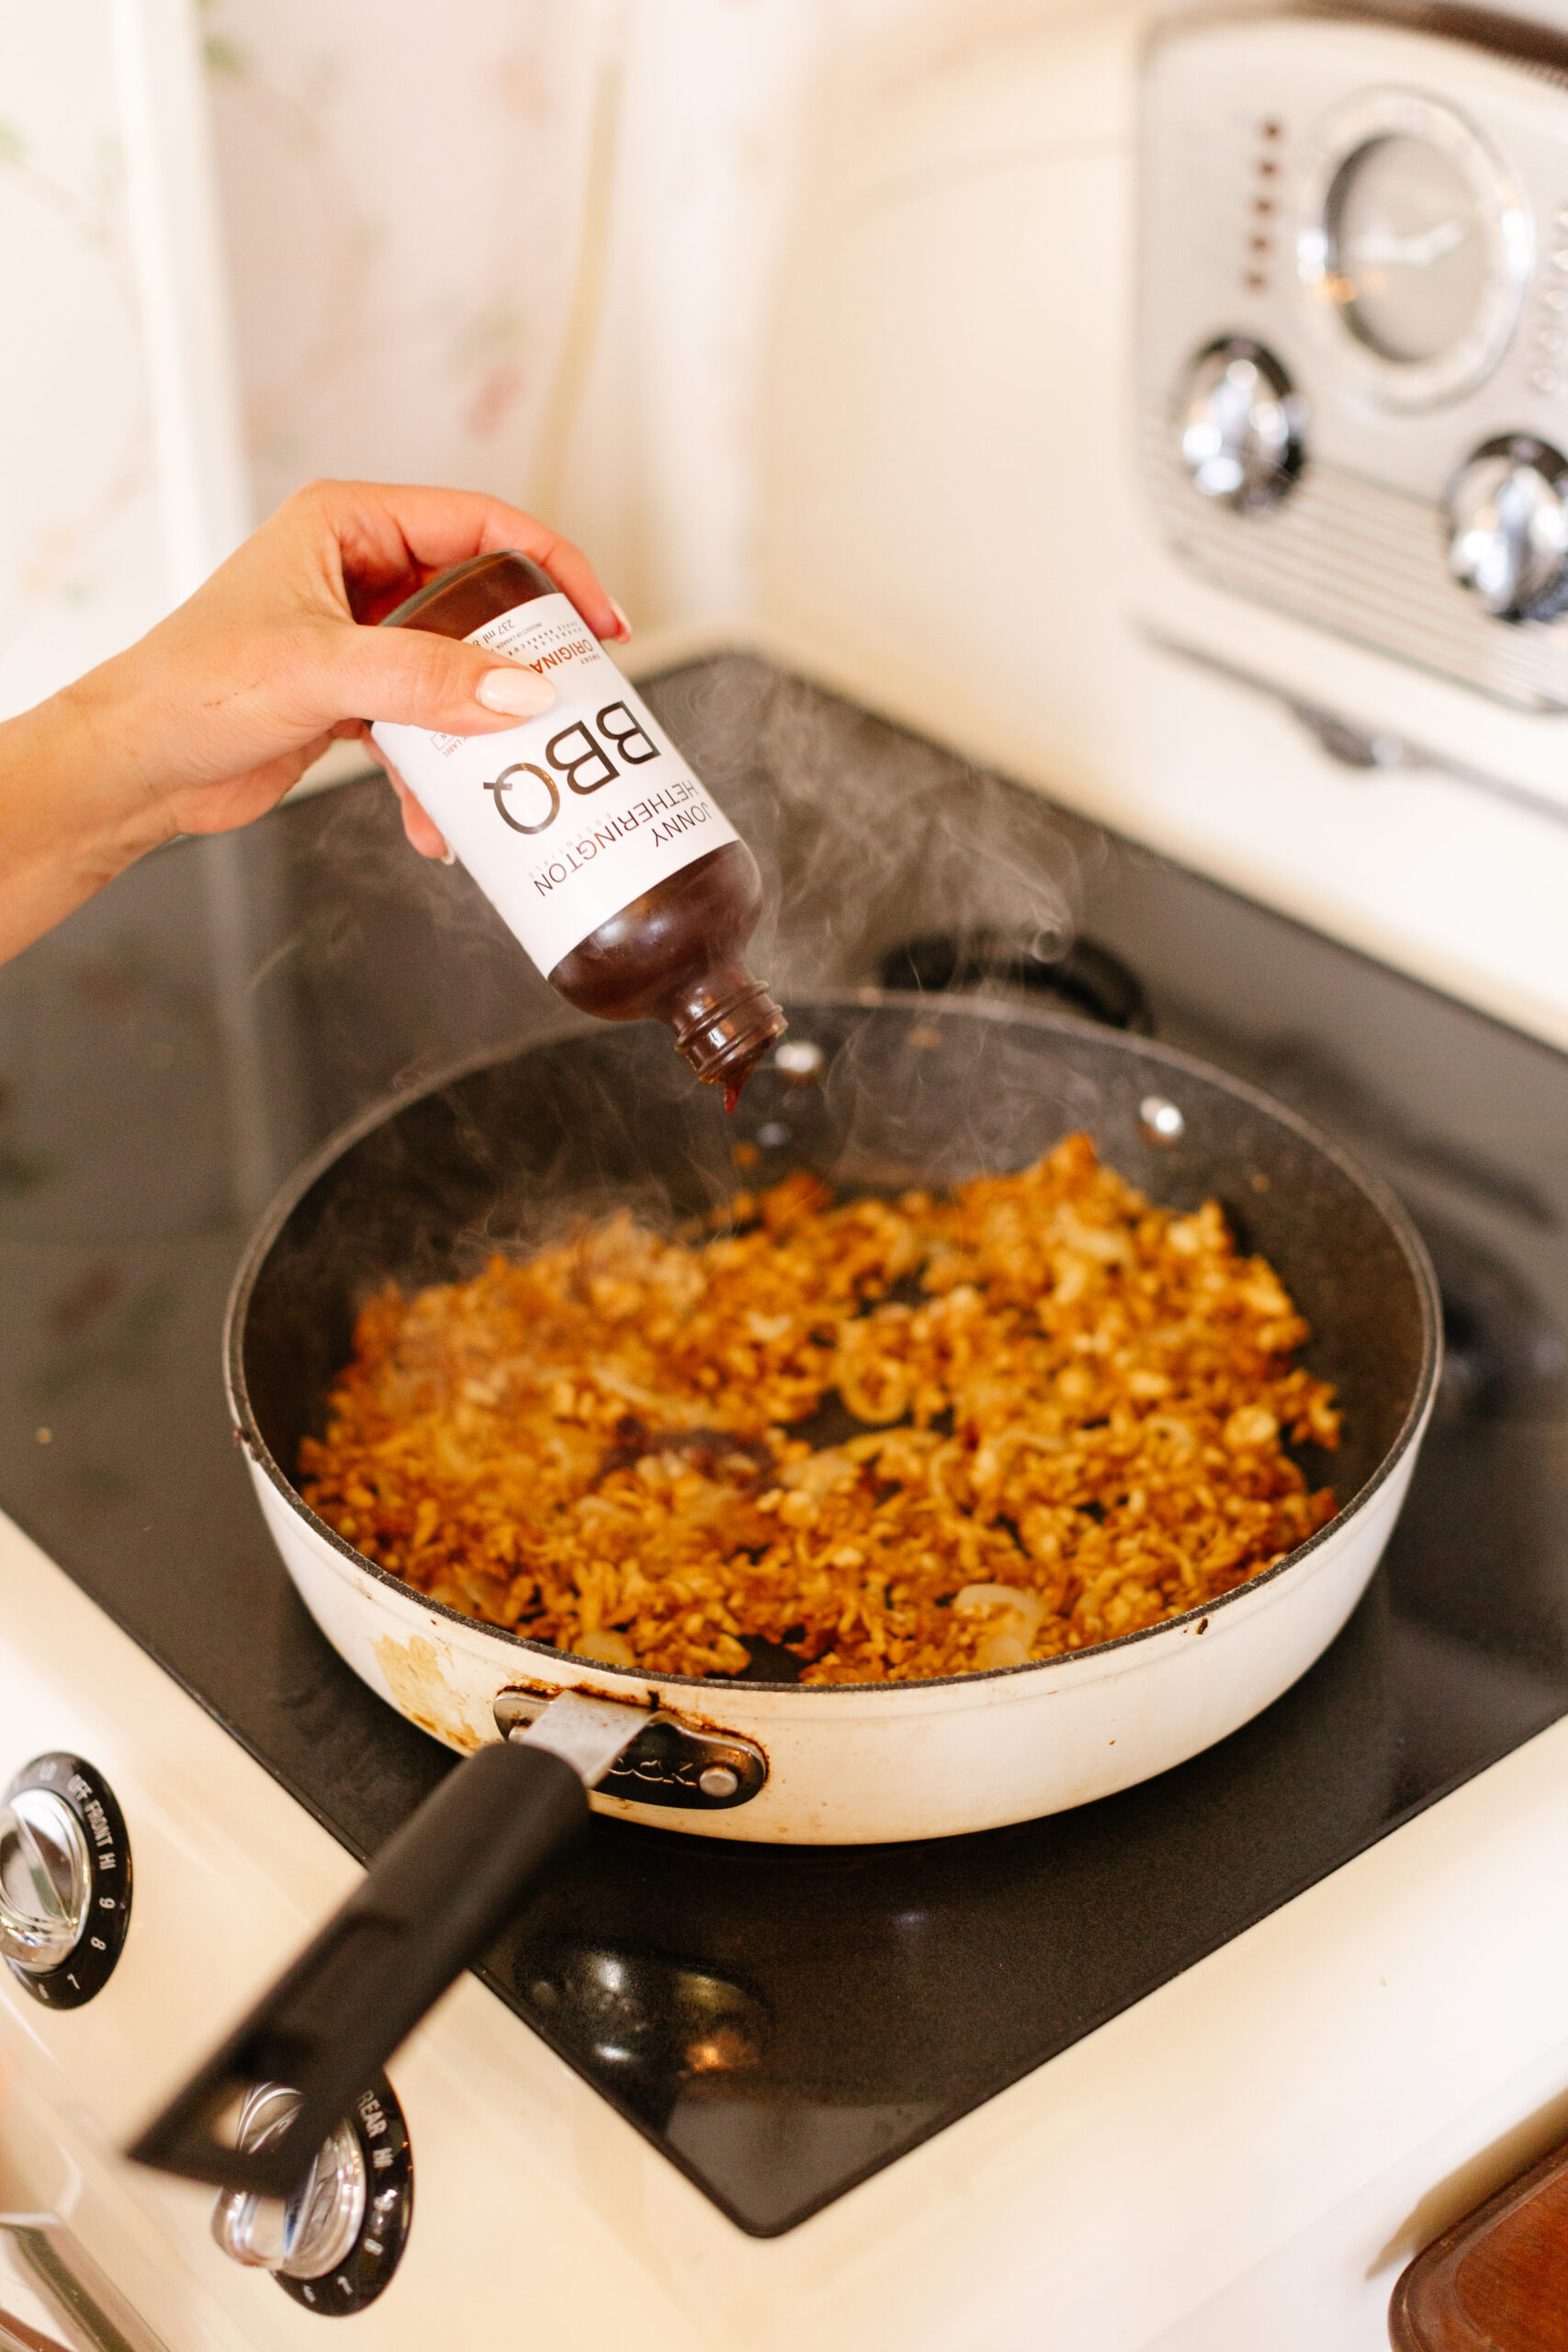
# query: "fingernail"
{"type": "Point", "coordinates": [520, 693]}
{"type": "Point", "coordinates": [624, 627]}
{"type": "Point", "coordinates": [448, 857]}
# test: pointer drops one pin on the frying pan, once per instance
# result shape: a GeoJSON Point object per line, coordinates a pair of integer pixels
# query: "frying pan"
{"type": "Point", "coordinates": [878, 1092]}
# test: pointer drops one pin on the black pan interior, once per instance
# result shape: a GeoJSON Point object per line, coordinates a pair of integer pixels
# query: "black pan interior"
{"type": "Point", "coordinates": [508, 1155]}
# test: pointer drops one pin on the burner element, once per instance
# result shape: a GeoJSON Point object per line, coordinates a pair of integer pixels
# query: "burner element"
{"type": "Point", "coordinates": [650, 2024]}
{"type": "Point", "coordinates": [1088, 979]}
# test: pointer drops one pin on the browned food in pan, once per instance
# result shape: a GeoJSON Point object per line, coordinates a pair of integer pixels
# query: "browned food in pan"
{"type": "Point", "coordinates": [1073, 1405]}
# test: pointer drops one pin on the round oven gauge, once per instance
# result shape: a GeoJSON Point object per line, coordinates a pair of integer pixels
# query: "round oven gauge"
{"type": "Point", "coordinates": [1407, 249]}
{"type": "Point", "coordinates": [1416, 245]}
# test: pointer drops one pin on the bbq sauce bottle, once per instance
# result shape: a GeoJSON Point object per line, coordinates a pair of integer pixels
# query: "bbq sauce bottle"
{"type": "Point", "coordinates": [588, 832]}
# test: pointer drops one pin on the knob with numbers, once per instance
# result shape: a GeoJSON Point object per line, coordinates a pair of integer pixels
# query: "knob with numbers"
{"type": "Point", "coordinates": [64, 1881]}
{"type": "Point", "coordinates": [310, 2234]}
{"type": "Point", "coordinates": [334, 2243]}
{"type": "Point", "coordinates": [1507, 512]}
{"type": "Point", "coordinates": [46, 1881]}
{"type": "Point", "coordinates": [1243, 426]}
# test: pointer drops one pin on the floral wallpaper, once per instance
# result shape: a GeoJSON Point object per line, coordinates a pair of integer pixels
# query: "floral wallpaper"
{"type": "Point", "coordinates": [516, 244]}
{"type": "Point", "coordinates": [400, 186]}
{"type": "Point", "coordinates": [523, 246]}
{"type": "Point", "coordinates": [80, 569]}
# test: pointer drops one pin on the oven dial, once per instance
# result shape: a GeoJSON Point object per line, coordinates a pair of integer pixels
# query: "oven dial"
{"type": "Point", "coordinates": [46, 1881]}
{"type": "Point", "coordinates": [335, 2242]}
{"type": "Point", "coordinates": [1509, 528]}
{"type": "Point", "coordinates": [64, 1881]}
{"type": "Point", "coordinates": [1242, 425]}
{"type": "Point", "coordinates": [310, 2234]}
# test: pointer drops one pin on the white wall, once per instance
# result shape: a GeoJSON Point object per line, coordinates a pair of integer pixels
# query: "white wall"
{"type": "Point", "coordinates": [81, 547]}
{"type": "Point", "coordinates": [514, 244]}
{"type": "Point", "coordinates": [521, 246]}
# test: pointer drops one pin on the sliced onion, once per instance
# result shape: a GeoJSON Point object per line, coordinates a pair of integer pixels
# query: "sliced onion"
{"type": "Point", "coordinates": [1007, 1643]}
{"type": "Point", "coordinates": [972, 1598]}
{"type": "Point", "coordinates": [605, 1649]}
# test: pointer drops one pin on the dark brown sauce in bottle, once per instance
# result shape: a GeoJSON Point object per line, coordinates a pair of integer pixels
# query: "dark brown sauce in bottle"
{"type": "Point", "coordinates": [677, 952]}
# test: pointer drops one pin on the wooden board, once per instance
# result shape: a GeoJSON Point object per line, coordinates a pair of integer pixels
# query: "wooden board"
{"type": "Point", "coordinates": [1498, 2280]}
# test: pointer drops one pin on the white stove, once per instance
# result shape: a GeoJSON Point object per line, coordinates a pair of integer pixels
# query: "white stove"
{"type": "Point", "coordinates": [971, 498]}
{"type": "Point", "coordinates": [1250, 2155]}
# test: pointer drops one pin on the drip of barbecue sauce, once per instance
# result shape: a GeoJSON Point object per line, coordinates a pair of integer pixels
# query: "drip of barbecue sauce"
{"type": "Point", "coordinates": [675, 950]}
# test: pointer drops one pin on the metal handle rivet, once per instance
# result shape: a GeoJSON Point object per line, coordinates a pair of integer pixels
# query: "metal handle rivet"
{"type": "Point", "coordinates": [672, 1764]}
{"type": "Point", "coordinates": [1161, 1122]}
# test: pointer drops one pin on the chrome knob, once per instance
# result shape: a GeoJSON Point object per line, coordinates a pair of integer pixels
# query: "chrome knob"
{"type": "Point", "coordinates": [1509, 528]}
{"type": "Point", "coordinates": [1243, 426]}
{"type": "Point", "coordinates": [46, 1881]}
{"type": "Point", "coordinates": [318, 2226]}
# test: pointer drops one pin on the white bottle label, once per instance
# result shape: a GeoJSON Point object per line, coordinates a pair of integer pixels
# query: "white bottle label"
{"type": "Point", "coordinates": [564, 821]}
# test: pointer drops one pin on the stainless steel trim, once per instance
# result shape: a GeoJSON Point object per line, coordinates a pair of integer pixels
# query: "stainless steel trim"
{"type": "Point", "coordinates": [42, 2255]}
{"type": "Point", "coordinates": [1363, 561]}
{"type": "Point", "coordinates": [1361, 744]}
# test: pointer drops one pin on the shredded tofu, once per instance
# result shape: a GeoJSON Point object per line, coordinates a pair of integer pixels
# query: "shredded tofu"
{"type": "Point", "coordinates": [1074, 1410]}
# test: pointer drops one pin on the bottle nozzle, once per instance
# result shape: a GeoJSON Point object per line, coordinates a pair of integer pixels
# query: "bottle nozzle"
{"type": "Point", "coordinates": [728, 1038]}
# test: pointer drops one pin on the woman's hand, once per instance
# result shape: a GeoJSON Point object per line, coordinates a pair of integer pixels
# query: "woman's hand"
{"type": "Point", "coordinates": [207, 720]}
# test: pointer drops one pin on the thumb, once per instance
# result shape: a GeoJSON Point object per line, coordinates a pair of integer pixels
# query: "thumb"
{"type": "Point", "coordinates": [418, 680]}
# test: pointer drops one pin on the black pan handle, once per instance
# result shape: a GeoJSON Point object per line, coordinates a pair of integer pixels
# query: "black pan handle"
{"type": "Point", "coordinates": [438, 1893]}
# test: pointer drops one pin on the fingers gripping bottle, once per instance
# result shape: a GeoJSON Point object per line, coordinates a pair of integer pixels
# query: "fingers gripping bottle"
{"type": "Point", "coordinates": [588, 832]}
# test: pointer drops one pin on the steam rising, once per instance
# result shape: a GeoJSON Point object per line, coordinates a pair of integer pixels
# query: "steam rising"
{"type": "Point", "coordinates": [386, 969]}
{"type": "Point", "coordinates": [868, 836]}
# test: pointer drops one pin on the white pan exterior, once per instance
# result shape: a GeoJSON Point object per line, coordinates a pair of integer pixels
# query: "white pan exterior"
{"type": "Point", "coordinates": [853, 1764]}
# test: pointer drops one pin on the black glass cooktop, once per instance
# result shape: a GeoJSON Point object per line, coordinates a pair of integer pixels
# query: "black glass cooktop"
{"type": "Point", "coordinates": [778, 2022]}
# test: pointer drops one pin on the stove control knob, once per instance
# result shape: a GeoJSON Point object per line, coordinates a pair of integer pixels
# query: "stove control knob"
{"type": "Point", "coordinates": [64, 1881]}
{"type": "Point", "coordinates": [312, 2233]}
{"type": "Point", "coordinates": [1242, 425]}
{"type": "Point", "coordinates": [334, 2245]}
{"type": "Point", "coordinates": [46, 1881]}
{"type": "Point", "coordinates": [1509, 528]}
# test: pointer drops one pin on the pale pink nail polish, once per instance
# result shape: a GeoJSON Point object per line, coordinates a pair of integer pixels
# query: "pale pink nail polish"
{"type": "Point", "coordinates": [625, 627]}
{"type": "Point", "coordinates": [520, 693]}
{"type": "Point", "coordinates": [448, 857]}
